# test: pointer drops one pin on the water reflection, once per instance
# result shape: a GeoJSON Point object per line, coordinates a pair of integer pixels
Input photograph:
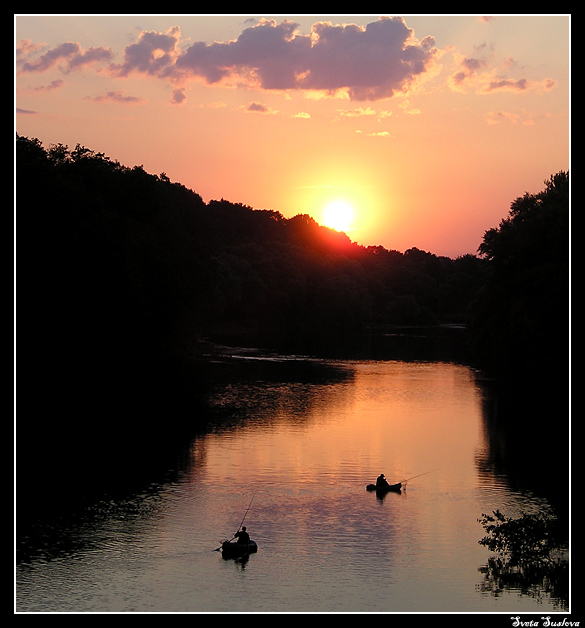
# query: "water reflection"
{"type": "Point", "coordinates": [307, 435]}
{"type": "Point", "coordinates": [526, 445]}
{"type": "Point", "coordinates": [518, 457]}
{"type": "Point", "coordinates": [545, 582]}
{"type": "Point", "coordinates": [251, 387]}
{"type": "Point", "coordinates": [381, 493]}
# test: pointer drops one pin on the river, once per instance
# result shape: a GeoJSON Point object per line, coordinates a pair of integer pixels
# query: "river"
{"type": "Point", "coordinates": [293, 444]}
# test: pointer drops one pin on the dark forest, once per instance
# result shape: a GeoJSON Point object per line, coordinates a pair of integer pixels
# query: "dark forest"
{"type": "Point", "coordinates": [124, 273]}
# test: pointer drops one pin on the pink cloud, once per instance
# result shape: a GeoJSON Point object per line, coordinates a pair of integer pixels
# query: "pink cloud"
{"type": "Point", "coordinates": [178, 96]}
{"type": "Point", "coordinates": [369, 63]}
{"type": "Point", "coordinates": [56, 84]}
{"type": "Point", "coordinates": [154, 53]}
{"type": "Point", "coordinates": [26, 47]}
{"type": "Point", "coordinates": [257, 107]}
{"type": "Point", "coordinates": [68, 56]}
{"type": "Point", "coordinates": [117, 97]}
{"type": "Point", "coordinates": [520, 85]}
{"type": "Point", "coordinates": [474, 74]}
{"type": "Point", "coordinates": [364, 63]}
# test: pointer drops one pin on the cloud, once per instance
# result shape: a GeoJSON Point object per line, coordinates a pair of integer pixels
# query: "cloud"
{"type": "Point", "coordinates": [68, 57]}
{"type": "Point", "coordinates": [26, 47]}
{"type": "Point", "coordinates": [63, 52]}
{"type": "Point", "coordinates": [256, 107]}
{"type": "Point", "coordinates": [474, 74]}
{"type": "Point", "coordinates": [266, 55]}
{"type": "Point", "coordinates": [496, 117]}
{"type": "Point", "coordinates": [408, 109]}
{"type": "Point", "coordinates": [379, 134]}
{"type": "Point", "coordinates": [178, 96]}
{"type": "Point", "coordinates": [368, 63]}
{"type": "Point", "coordinates": [90, 56]}
{"type": "Point", "coordinates": [520, 85]}
{"type": "Point", "coordinates": [383, 134]}
{"type": "Point", "coordinates": [355, 113]}
{"type": "Point", "coordinates": [27, 112]}
{"type": "Point", "coordinates": [56, 84]}
{"type": "Point", "coordinates": [371, 62]}
{"type": "Point", "coordinates": [360, 112]}
{"type": "Point", "coordinates": [154, 54]}
{"type": "Point", "coordinates": [506, 84]}
{"type": "Point", "coordinates": [117, 97]}
{"type": "Point", "coordinates": [500, 117]}
{"type": "Point", "coordinates": [301, 114]}
{"type": "Point", "coordinates": [218, 104]}
{"type": "Point", "coordinates": [468, 69]}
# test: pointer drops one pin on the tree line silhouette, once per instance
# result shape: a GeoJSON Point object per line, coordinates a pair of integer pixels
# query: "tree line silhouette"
{"type": "Point", "coordinates": [519, 321]}
{"type": "Point", "coordinates": [122, 272]}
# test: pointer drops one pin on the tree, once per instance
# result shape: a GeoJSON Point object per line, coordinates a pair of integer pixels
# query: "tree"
{"type": "Point", "coordinates": [536, 227]}
{"type": "Point", "coordinates": [530, 538]}
{"type": "Point", "coordinates": [530, 555]}
{"type": "Point", "coordinates": [520, 320]}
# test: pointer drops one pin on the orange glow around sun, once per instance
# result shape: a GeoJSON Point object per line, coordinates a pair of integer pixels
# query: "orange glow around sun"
{"type": "Point", "coordinates": [339, 215]}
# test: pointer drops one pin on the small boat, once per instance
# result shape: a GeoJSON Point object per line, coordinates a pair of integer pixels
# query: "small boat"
{"type": "Point", "coordinates": [388, 488]}
{"type": "Point", "coordinates": [230, 549]}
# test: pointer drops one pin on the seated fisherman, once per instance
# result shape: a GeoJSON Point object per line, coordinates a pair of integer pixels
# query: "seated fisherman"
{"type": "Point", "coordinates": [242, 536]}
{"type": "Point", "coordinates": [381, 482]}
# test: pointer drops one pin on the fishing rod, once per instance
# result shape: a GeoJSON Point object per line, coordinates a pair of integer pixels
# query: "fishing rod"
{"type": "Point", "coordinates": [242, 521]}
{"type": "Point", "coordinates": [249, 505]}
{"type": "Point", "coordinates": [417, 476]}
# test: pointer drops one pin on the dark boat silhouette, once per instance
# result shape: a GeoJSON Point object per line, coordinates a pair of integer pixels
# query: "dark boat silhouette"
{"type": "Point", "coordinates": [230, 549]}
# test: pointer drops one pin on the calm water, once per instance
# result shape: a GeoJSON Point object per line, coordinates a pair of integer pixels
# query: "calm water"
{"type": "Point", "coordinates": [305, 439]}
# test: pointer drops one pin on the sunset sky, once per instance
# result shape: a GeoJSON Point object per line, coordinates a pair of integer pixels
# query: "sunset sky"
{"type": "Point", "coordinates": [423, 128]}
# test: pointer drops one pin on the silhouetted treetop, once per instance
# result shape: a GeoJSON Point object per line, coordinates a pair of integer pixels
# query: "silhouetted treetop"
{"type": "Point", "coordinates": [177, 264]}
{"type": "Point", "coordinates": [535, 228]}
{"type": "Point", "coordinates": [172, 256]}
{"type": "Point", "coordinates": [520, 320]}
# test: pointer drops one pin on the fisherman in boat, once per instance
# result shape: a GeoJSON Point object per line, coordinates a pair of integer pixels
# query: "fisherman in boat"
{"type": "Point", "coordinates": [381, 481]}
{"type": "Point", "coordinates": [242, 536]}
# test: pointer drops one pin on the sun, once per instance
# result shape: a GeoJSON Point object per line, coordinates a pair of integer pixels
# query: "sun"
{"type": "Point", "coordinates": [338, 215]}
